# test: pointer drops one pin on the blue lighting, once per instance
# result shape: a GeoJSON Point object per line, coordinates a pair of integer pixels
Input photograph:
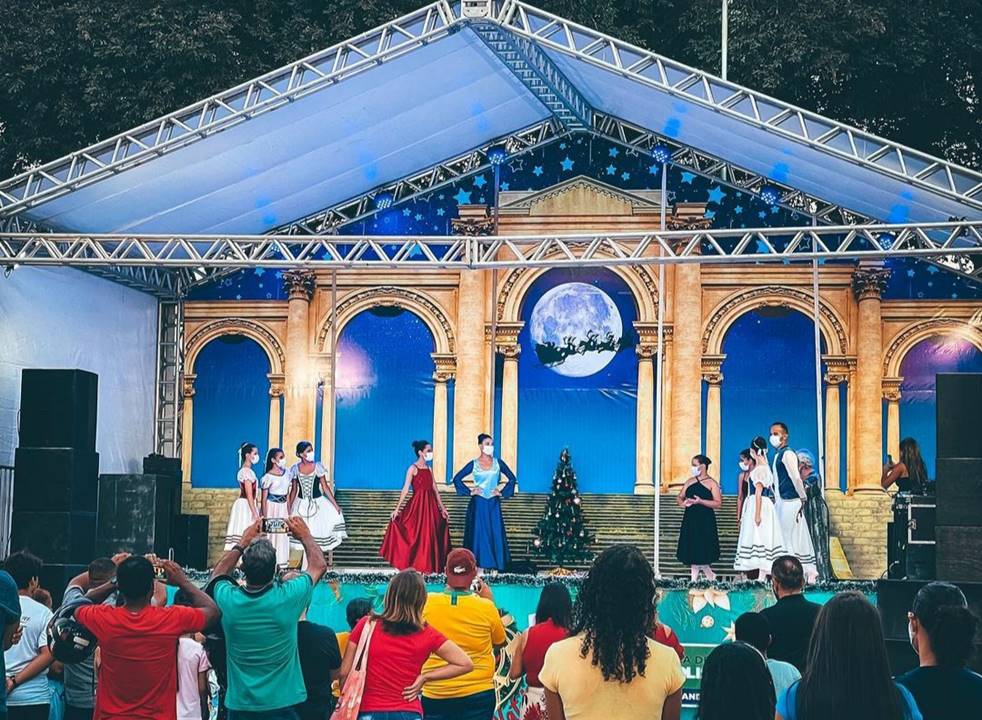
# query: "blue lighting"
{"type": "Point", "coordinates": [770, 195]}
{"type": "Point", "coordinates": [497, 155]}
{"type": "Point", "coordinates": [661, 153]}
{"type": "Point", "coordinates": [384, 200]}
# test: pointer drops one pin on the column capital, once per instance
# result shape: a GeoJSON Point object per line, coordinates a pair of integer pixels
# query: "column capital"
{"type": "Point", "coordinates": [187, 384]}
{"type": "Point", "coordinates": [869, 282]}
{"type": "Point", "coordinates": [712, 369]}
{"type": "Point", "coordinates": [838, 368]}
{"type": "Point", "coordinates": [891, 388]}
{"type": "Point", "coordinates": [299, 284]}
{"type": "Point", "coordinates": [474, 221]}
{"type": "Point", "coordinates": [646, 352]}
{"type": "Point", "coordinates": [688, 216]}
{"type": "Point", "coordinates": [505, 335]}
{"type": "Point", "coordinates": [445, 367]}
{"type": "Point", "coordinates": [277, 384]}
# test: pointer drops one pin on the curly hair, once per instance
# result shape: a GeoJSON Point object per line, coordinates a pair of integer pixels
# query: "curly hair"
{"type": "Point", "coordinates": [614, 612]}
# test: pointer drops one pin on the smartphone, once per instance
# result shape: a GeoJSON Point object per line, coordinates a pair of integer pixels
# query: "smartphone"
{"type": "Point", "coordinates": [889, 459]}
{"type": "Point", "coordinates": [159, 573]}
{"type": "Point", "coordinates": [274, 525]}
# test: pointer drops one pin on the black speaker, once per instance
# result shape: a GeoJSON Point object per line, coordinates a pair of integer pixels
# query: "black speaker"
{"type": "Point", "coordinates": [55, 578]}
{"type": "Point", "coordinates": [56, 537]}
{"type": "Point", "coordinates": [58, 409]}
{"type": "Point", "coordinates": [154, 464]}
{"type": "Point", "coordinates": [960, 553]}
{"type": "Point", "coordinates": [189, 539]}
{"type": "Point", "coordinates": [959, 491]}
{"type": "Point", "coordinates": [908, 561]}
{"type": "Point", "coordinates": [959, 400]}
{"type": "Point", "coordinates": [55, 479]}
{"type": "Point", "coordinates": [135, 513]}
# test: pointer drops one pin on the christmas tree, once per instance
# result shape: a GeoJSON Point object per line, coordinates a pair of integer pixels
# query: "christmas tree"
{"type": "Point", "coordinates": [561, 534]}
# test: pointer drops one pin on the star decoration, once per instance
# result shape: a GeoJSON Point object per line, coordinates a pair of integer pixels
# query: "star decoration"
{"type": "Point", "coordinates": [480, 182]}
{"type": "Point", "coordinates": [738, 209]}
{"type": "Point", "coordinates": [417, 217]}
{"type": "Point", "coordinates": [537, 171]}
{"type": "Point", "coordinates": [710, 214]}
{"type": "Point", "coordinates": [407, 212]}
{"type": "Point", "coordinates": [441, 212]}
{"type": "Point", "coordinates": [716, 195]}
{"type": "Point", "coordinates": [613, 152]}
{"type": "Point", "coordinates": [462, 197]}
{"type": "Point", "coordinates": [625, 176]}
{"type": "Point", "coordinates": [566, 164]}
{"type": "Point", "coordinates": [259, 271]}
{"type": "Point", "coordinates": [562, 146]}
{"type": "Point", "coordinates": [672, 195]}
{"type": "Point", "coordinates": [762, 214]}
{"type": "Point", "coordinates": [611, 169]}
{"type": "Point", "coordinates": [505, 186]}
{"type": "Point", "coordinates": [653, 169]}
{"type": "Point", "coordinates": [730, 633]}
{"type": "Point", "coordinates": [688, 177]}
{"type": "Point", "coordinates": [516, 165]}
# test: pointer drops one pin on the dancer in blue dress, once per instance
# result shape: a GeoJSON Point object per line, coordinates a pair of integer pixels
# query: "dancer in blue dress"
{"type": "Point", "coordinates": [484, 532]}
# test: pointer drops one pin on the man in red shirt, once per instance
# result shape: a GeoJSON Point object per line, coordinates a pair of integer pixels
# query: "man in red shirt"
{"type": "Point", "coordinates": [138, 641]}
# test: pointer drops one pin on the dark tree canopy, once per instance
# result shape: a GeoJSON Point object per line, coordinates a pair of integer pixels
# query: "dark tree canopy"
{"type": "Point", "coordinates": [76, 71]}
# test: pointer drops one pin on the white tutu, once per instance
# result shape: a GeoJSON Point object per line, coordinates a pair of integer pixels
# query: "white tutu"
{"type": "Point", "coordinates": [325, 522]}
{"type": "Point", "coordinates": [239, 519]}
{"type": "Point", "coordinates": [759, 545]}
{"type": "Point", "coordinates": [797, 539]}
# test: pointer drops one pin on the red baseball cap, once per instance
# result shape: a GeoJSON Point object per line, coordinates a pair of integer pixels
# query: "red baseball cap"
{"type": "Point", "coordinates": [461, 569]}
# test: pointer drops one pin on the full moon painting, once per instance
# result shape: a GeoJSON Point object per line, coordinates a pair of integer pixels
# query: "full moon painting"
{"type": "Point", "coordinates": [578, 327]}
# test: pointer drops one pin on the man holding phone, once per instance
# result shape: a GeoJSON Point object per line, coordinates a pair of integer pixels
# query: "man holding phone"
{"type": "Point", "coordinates": [465, 613]}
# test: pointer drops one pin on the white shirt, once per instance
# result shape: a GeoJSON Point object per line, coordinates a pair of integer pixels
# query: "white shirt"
{"type": "Point", "coordinates": [34, 619]}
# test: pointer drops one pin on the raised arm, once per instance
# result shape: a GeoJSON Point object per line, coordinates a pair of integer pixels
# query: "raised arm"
{"type": "Point", "coordinates": [231, 558]}
{"type": "Point", "coordinates": [458, 479]}
{"type": "Point", "coordinates": [316, 564]}
{"type": "Point", "coordinates": [509, 489]}
{"type": "Point", "coordinates": [199, 600]}
{"type": "Point", "coordinates": [410, 473]}
{"type": "Point", "coordinates": [790, 462]}
{"type": "Point", "coordinates": [890, 474]}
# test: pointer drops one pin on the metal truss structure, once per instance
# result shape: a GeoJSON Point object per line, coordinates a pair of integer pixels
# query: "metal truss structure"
{"type": "Point", "coordinates": [952, 242]}
{"type": "Point", "coordinates": [170, 366]}
{"type": "Point", "coordinates": [732, 100]}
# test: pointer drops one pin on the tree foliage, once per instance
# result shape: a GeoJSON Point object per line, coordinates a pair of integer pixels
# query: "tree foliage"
{"type": "Point", "coordinates": [75, 71]}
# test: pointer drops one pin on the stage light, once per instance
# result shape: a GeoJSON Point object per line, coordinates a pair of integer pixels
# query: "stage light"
{"type": "Point", "coordinates": [384, 200]}
{"type": "Point", "coordinates": [770, 195]}
{"type": "Point", "coordinates": [661, 153]}
{"type": "Point", "coordinates": [8, 269]}
{"type": "Point", "coordinates": [497, 155]}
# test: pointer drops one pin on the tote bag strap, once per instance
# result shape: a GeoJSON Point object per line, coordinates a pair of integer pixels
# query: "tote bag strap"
{"type": "Point", "coordinates": [361, 652]}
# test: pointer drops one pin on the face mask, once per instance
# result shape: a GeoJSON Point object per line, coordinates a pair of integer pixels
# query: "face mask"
{"type": "Point", "coordinates": [776, 440]}
{"type": "Point", "coordinates": [487, 449]}
{"type": "Point", "coordinates": [910, 636]}
{"type": "Point", "coordinates": [744, 465]}
{"type": "Point", "coordinates": [281, 463]}
{"type": "Point", "coordinates": [428, 457]}
{"type": "Point", "coordinates": [309, 456]}
{"type": "Point", "coordinates": [254, 459]}
{"type": "Point", "coordinates": [695, 471]}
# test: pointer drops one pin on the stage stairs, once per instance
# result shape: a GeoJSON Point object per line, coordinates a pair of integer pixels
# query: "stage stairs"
{"type": "Point", "coordinates": [613, 519]}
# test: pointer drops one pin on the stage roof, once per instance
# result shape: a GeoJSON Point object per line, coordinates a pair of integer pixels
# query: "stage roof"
{"type": "Point", "coordinates": [396, 101]}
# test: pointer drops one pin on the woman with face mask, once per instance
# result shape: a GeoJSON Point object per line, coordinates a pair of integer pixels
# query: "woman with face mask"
{"type": "Point", "coordinates": [244, 511]}
{"type": "Point", "coordinates": [315, 502]}
{"type": "Point", "coordinates": [418, 535]}
{"type": "Point", "coordinates": [789, 501]}
{"type": "Point", "coordinates": [760, 542]}
{"type": "Point", "coordinates": [484, 531]}
{"type": "Point", "coordinates": [698, 537]}
{"type": "Point", "coordinates": [278, 494]}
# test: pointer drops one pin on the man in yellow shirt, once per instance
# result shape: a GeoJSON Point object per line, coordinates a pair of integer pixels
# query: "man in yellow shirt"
{"type": "Point", "coordinates": [469, 618]}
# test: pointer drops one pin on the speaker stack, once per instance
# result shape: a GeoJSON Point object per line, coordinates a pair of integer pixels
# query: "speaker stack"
{"type": "Point", "coordinates": [959, 477]}
{"type": "Point", "coordinates": [56, 471]}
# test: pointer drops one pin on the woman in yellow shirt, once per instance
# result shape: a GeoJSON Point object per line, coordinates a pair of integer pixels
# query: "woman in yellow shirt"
{"type": "Point", "coordinates": [609, 668]}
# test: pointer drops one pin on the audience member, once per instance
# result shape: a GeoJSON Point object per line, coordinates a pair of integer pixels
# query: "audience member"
{"type": "Point", "coordinates": [610, 668]}
{"type": "Point", "coordinates": [792, 618]}
{"type": "Point", "coordinates": [847, 676]}
{"type": "Point", "coordinates": [470, 620]}
{"type": "Point", "coordinates": [553, 618]}
{"type": "Point", "coordinates": [942, 632]}
{"type": "Point", "coordinates": [56, 671]}
{"type": "Point", "coordinates": [736, 684]}
{"type": "Point", "coordinates": [664, 635]}
{"type": "Point", "coordinates": [320, 665]}
{"type": "Point", "coordinates": [355, 611]}
{"type": "Point", "coordinates": [80, 678]}
{"type": "Point", "coordinates": [10, 620]}
{"type": "Point", "coordinates": [192, 671]}
{"type": "Point", "coordinates": [399, 645]}
{"type": "Point", "coordinates": [137, 663]}
{"type": "Point", "coordinates": [753, 629]}
{"type": "Point", "coordinates": [28, 660]}
{"type": "Point", "coordinates": [259, 621]}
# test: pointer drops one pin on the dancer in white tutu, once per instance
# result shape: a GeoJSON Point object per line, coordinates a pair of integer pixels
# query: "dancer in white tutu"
{"type": "Point", "coordinates": [278, 494]}
{"type": "Point", "coordinates": [244, 510]}
{"type": "Point", "coordinates": [315, 502]}
{"type": "Point", "coordinates": [789, 500]}
{"type": "Point", "coordinates": [761, 541]}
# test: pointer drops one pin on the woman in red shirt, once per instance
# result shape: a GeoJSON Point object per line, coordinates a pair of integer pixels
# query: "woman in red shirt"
{"type": "Point", "coordinates": [552, 620]}
{"type": "Point", "coordinates": [400, 644]}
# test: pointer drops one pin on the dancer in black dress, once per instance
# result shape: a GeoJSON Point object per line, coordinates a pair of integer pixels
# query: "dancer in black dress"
{"type": "Point", "coordinates": [698, 538]}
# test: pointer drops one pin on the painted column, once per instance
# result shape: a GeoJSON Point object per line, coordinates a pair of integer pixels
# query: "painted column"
{"type": "Point", "coordinates": [645, 430]}
{"type": "Point", "coordinates": [187, 426]}
{"type": "Point", "coordinates": [833, 441]}
{"type": "Point", "coordinates": [275, 399]}
{"type": "Point", "coordinates": [509, 406]}
{"type": "Point", "coordinates": [685, 414]}
{"type": "Point", "coordinates": [299, 382]}
{"type": "Point", "coordinates": [666, 389]}
{"type": "Point", "coordinates": [868, 284]}
{"type": "Point", "coordinates": [442, 375]}
{"type": "Point", "coordinates": [891, 393]}
{"type": "Point", "coordinates": [472, 372]}
{"type": "Point", "coordinates": [711, 373]}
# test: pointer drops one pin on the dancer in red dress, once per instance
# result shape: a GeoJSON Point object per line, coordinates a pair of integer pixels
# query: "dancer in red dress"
{"type": "Point", "coordinates": [418, 535]}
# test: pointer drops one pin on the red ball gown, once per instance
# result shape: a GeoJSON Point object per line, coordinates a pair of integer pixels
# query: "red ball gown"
{"type": "Point", "coordinates": [419, 537]}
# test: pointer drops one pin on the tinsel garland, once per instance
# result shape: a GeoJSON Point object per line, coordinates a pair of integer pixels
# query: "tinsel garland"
{"type": "Point", "coordinates": [359, 577]}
